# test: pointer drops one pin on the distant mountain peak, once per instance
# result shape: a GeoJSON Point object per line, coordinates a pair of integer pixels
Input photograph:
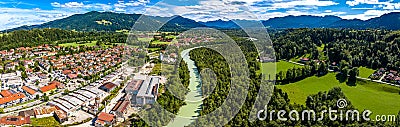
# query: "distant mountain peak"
{"type": "Point", "coordinates": [118, 21]}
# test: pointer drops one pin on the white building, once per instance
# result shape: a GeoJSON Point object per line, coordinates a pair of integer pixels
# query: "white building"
{"type": "Point", "coordinates": [148, 91]}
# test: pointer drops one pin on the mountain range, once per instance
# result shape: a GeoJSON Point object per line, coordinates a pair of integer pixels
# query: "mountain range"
{"type": "Point", "coordinates": [108, 21]}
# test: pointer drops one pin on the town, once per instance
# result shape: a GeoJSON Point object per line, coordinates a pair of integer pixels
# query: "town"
{"type": "Point", "coordinates": [90, 86]}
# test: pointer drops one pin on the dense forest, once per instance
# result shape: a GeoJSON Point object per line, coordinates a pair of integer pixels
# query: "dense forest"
{"type": "Point", "coordinates": [35, 37]}
{"type": "Point", "coordinates": [369, 48]}
{"type": "Point", "coordinates": [112, 22]}
{"type": "Point", "coordinates": [206, 58]}
{"type": "Point", "coordinates": [353, 48]}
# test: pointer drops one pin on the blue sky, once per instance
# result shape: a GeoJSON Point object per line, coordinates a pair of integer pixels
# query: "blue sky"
{"type": "Point", "coordinates": [16, 13]}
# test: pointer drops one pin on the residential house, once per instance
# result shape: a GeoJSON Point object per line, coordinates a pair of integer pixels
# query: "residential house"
{"type": "Point", "coordinates": [60, 116]}
{"type": "Point", "coordinates": [46, 111]}
{"type": "Point", "coordinates": [12, 99]}
{"type": "Point", "coordinates": [104, 119]}
{"type": "Point", "coordinates": [27, 113]}
{"type": "Point", "coordinates": [28, 91]}
{"type": "Point", "coordinates": [50, 87]}
{"type": "Point", "coordinates": [15, 120]}
{"type": "Point", "coordinates": [108, 87]}
{"type": "Point", "coordinates": [120, 109]}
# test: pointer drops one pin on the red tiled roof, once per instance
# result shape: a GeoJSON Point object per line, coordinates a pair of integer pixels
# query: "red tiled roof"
{"type": "Point", "coordinates": [109, 85]}
{"type": "Point", "coordinates": [61, 114]}
{"type": "Point", "coordinates": [29, 90]}
{"type": "Point", "coordinates": [49, 87]}
{"type": "Point", "coordinates": [11, 98]}
{"type": "Point", "coordinates": [66, 72]}
{"type": "Point", "coordinates": [72, 76]}
{"type": "Point", "coordinates": [5, 93]}
{"type": "Point", "coordinates": [15, 120]}
{"type": "Point", "coordinates": [106, 117]}
{"type": "Point", "coordinates": [305, 59]}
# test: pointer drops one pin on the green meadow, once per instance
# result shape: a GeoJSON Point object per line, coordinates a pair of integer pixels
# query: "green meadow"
{"type": "Point", "coordinates": [145, 39]}
{"type": "Point", "coordinates": [381, 99]}
{"type": "Point", "coordinates": [46, 121]}
{"type": "Point", "coordinates": [365, 72]}
{"type": "Point", "coordinates": [268, 68]}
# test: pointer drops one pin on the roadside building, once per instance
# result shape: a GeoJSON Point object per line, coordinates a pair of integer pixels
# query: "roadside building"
{"type": "Point", "coordinates": [147, 93]}
{"type": "Point", "coordinates": [104, 119]}
{"type": "Point", "coordinates": [133, 88]}
{"type": "Point", "coordinates": [46, 111]}
{"type": "Point", "coordinates": [48, 88]}
{"type": "Point", "coordinates": [28, 91]}
{"type": "Point", "coordinates": [120, 109]}
{"type": "Point", "coordinates": [60, 116]}
{"type": "Point", "coordinates": [52, 86]}
{"type": "Point", "coordinates": [108, 87]}
{"type": "Point", "coordinates": [12, 99]}
{"type": "Point", "coordinates": [5, 93]}
{"type": "Point", "coordinates": [27, 113]}
{"type": "Point", "coordinates": [15, 120]}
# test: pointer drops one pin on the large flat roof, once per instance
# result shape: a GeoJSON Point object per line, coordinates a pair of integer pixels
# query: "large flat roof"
{"type": "Point", "coordinates": [146, 90]}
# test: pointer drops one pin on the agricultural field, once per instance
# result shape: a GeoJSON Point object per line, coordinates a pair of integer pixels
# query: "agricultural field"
{"type": "Point", "coordinates": [365, 95]}
{"type": "Point", "coordinates": [145, 39]}
{"type": "Point", "coordinates": [268, 68]}
{"type": "Point", "coordinates": [365, 72]}
{"type": "Point", "coordinates": [153, 49]}
{"type": "Point", "coordinates": [46, 121]}
{"type": "Point", "coordinates": [160, 42]}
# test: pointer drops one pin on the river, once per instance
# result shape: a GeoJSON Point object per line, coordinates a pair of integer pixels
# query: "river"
{"type": "Point", "coordinates": [189, 112]}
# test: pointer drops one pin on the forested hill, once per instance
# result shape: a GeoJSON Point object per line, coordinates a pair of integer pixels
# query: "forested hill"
{"type": "Point", "coordinates": [108, 21]}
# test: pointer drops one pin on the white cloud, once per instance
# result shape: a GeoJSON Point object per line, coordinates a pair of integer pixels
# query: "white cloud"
{"type": "Point", "coordinates": [15, 17]}
{"type": "Point", "coordinates": [68, 5]}
{"type": "Point", "coordinates": [388, 5]}
{"type": "Point", "coordinates": [357, 2]}
{"type": "Point", "coordinates": [55, 4]}
{"type": "Point", "coordinates": [214, 10]}
{"type": "Point", "coordinates": [368, 14]}
{"type": "Point", "coordinates": [292, 4]}
{"type": "Point", "coordinates": [132, 6]}
{"type": "Point", "coordinates": [392, 6]}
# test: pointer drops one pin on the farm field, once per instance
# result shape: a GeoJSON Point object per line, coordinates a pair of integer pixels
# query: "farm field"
{"type": "Point", "coordinates": [268, 68]}
{"type": "Point", "coordinates": [145, 39]}
{"type": "Point", "coordinates": [365, 95]}
{"type": "Point", "coordinates": [160, 42]}
{"type": "Point", "coordinates": [46, 121]}
{"type": "Point", "coordinates": [365, 72]}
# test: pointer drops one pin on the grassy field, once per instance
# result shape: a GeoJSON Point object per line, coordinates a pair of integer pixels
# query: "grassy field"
{"type": "Point", "coordinates": [381, 99]}
{"type": "Point", "coordinates": [160, 42]}
{"type": "Point", "coordinates": [145, 39]}
{"type": "Point", "coordinates": [365, 72]}
{"type": "Point", "coordinates": [75, 44]}
{"type": "Point", "coordinates": [268, 68]}
{"type": "Point", "coordinates": [296, 59]}
{"type": "Point", "coordinates": [44, 122]}
{"type": "Point", "coordinates": [153, 49]}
